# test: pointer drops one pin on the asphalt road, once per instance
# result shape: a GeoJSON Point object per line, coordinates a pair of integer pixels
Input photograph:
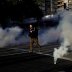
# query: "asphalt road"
{"type": "Point", "coordinates": [33, 63]}
{"type": "Point", "coordinates": [18, 59]}
{"type": "Point", "coordinates": [11, 50]}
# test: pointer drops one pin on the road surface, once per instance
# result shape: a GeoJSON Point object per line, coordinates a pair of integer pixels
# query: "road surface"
{"type": "Point", "coordinates": [18, 59]}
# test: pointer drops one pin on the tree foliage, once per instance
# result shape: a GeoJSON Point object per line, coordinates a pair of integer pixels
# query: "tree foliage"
{"type": "Point", "coordinates": [39, 2]}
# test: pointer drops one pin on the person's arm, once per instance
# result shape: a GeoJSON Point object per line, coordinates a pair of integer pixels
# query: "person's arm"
{"type": "Point", "coordinates": [31, 30]}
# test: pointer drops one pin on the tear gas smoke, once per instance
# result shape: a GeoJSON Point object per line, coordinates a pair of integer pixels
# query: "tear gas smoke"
{"type": "Point", "coordinates": [11, 36]}
{"type": "Point", "coordinates": [60, 52]}
{"type": "Point", "coordinates": [49, 35]}
{"type": "Point", "coordinates": [66, 34]}
{"type": "Point", "coordinates": [8, 36]}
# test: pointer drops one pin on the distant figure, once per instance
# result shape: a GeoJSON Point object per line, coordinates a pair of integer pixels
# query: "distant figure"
{"type": "Point", "coordinates": [33, 34]}
{"type": "Point", "coordinates": [65, 6]}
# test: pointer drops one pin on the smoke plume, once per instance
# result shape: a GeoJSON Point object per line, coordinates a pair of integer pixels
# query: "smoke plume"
{"type": "Point", "coordinates": [49, 35]}
{"type": "Point", "coordinates": [66, 34]}
{"type": "Point", "coordinates": [12, 36]}
{"type": "Point", "coordinates": [8, 35]}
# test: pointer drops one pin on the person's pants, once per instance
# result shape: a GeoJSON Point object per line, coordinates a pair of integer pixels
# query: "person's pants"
{"type": "Point", "coordinates": [34, 41]}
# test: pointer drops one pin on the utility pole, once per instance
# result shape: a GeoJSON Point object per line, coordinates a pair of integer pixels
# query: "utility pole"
{"type": "Point", "coordinates": [48, 7]}
{"type": "Point", "coordinates": [51, 6]}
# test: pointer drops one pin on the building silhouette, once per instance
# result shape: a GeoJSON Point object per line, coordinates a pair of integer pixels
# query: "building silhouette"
{"type": "Point", "coordinates": [50, 6]}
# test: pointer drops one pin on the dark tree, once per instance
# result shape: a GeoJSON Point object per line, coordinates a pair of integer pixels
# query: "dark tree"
{"type": "Point", "coordinates": [18, 10]}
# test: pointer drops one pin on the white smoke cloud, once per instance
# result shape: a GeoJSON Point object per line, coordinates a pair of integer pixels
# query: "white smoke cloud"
{"type": "Point", "coordinates": [60, 52]}
{"type": "Point", "coordinates": [66, 34]}
{"type": "Point", "coordinates": [8, 35]}
{"type": "Point", "coordinates": [49, 35]}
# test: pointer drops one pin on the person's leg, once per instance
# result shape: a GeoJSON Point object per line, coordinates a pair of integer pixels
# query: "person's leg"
{"type": "Point", "coordinates": [31, 44]}
{"type": "Point", "coordinates": [37, 43]}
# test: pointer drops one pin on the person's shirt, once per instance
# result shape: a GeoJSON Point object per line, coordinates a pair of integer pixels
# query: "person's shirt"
{"type": "Point", "coordinates": [33, 32]}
